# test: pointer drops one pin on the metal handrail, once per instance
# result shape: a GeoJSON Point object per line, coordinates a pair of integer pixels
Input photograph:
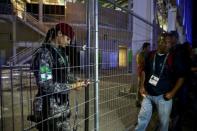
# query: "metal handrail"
{"type": "Point", "coordinates": [29, 19]}
{"type": "Point", "coordinates": [33, 21]}
{"type": "Point", "coordinates": [25, 53]}
{"type": "Point", "coordinates": [21, 56]}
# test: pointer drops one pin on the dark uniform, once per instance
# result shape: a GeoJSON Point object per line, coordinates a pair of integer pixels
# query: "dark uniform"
{"type": "Point", "coordinates": [51, 105]}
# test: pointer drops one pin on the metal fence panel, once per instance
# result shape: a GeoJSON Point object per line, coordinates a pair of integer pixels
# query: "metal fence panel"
{"type": "Point", "coordinates": [116, 79]}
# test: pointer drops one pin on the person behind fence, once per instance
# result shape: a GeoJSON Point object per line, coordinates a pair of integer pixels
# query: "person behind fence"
{"type": "Point", "coordinates": [140, 60]}
{"type": "Point", "coordinates": [159, 89]}
{"type": "Point", "coordinates": [181, 60]}
{"type": "Point", "coordinates": [52, 72]}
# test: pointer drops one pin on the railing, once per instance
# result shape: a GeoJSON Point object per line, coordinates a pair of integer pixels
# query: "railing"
{"type": "Point", "coordinates": [53, 18]}
{"type": "Point", "coordinates": [35, 23]}
{"type": "Point", "coordinates": [25, 54]}
{"type": "Point", "coordinates": [32, 22]}
{"type": "Point", "coordinates": [28, 19]}
{"type": "Point", "coordinates": [22, 56]}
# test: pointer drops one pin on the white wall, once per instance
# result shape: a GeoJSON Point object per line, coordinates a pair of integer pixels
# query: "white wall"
{"type": "Point", "coordinates": [142, 32]}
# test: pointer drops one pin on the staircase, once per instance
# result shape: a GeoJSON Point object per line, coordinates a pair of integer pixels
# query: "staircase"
{"type": "Point", "coordinates": [26, 18]}
{"type": "Point", "coordinates": [31, 21]}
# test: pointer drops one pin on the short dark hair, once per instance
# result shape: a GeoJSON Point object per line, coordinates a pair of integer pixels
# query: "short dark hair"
{"type": "Point", "coordinates": [173, 33]}
{"type": "Point", "coordinates": [145, 45]}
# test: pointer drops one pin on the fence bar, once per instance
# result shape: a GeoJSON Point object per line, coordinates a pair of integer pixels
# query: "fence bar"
{"type": "Point", "coordinates": [1, 100]}
{"type": "Point", "coordinates": [154, 25]}
{"type": "Point", "coordinates": [87, 63]}
{"type": "Point", "coordinates": [21, 98]}
{"type": "Point", "coordinates": [12, 96]}
{"type": "Point", "coordinates": [130, 12]}
{"type": "Point", "coordinates": [14, 36]}
{"type": "Point", "coordinates": [96, 67]}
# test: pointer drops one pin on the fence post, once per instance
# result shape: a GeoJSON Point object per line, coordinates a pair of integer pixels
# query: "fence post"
{"type": "Point", "coordinates": [87, 62]}
{"type": "Point", "coordinates": [154, 40]}
{"type": "Point", "coordinates": [14, 38]}
{"type": "Point", "coordinates": [96, 120]}
{"type": "Point", "coordinates": [1, 101]}
{"type": "Point", "coordinates": [21, 98]}
{"type": "Point", "coordinates": [12, 96]}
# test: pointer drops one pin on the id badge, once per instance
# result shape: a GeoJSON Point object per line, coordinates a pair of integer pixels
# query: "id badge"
{"type": "Point", "coordinates": [153, 80]}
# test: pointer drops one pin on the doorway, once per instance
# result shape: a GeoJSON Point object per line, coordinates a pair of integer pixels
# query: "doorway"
{"type": "Point", "coordinates": [122, 56]}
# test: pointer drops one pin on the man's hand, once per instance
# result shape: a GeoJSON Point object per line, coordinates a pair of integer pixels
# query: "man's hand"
{"type": "Point", "coordinates": [143, 91]}
{"type": "Point", "coordinates": [80, 84]}
{"type": "Point", "coordinates": [169, 95]}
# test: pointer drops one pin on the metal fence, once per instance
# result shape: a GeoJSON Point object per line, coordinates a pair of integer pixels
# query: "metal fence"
{"type": "Point", "coordinates": [104, 53]}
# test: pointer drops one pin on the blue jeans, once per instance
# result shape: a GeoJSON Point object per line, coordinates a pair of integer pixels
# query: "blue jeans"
{"type": "Point", "coordinates": [163, 107]}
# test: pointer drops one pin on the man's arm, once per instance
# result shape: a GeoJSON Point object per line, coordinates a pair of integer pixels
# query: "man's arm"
{"type": "Point", "coordinates": [181, 69]}
{"type": "Point", "coordinates": [141, 84]}
{"type": "Point", "coordinates": [140, 69]}
{"type": "Point", "coordinates": [80, 84]}
{"type": "Point", "coordinates": [177, 86]}
{"type": "Point", "coordinates": [144, 67]}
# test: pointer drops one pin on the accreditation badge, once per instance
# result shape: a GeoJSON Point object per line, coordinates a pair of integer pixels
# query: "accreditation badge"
{"type": "Point", "coordinates": [153, 80]}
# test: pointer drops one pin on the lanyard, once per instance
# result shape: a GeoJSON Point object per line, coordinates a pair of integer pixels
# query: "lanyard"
{"type": "Point", "coordinates": [58, 52]}
{"type": "Point", "coordinates": [163, 65]}
{"type": "Point", "coordinates": [60, 55]}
